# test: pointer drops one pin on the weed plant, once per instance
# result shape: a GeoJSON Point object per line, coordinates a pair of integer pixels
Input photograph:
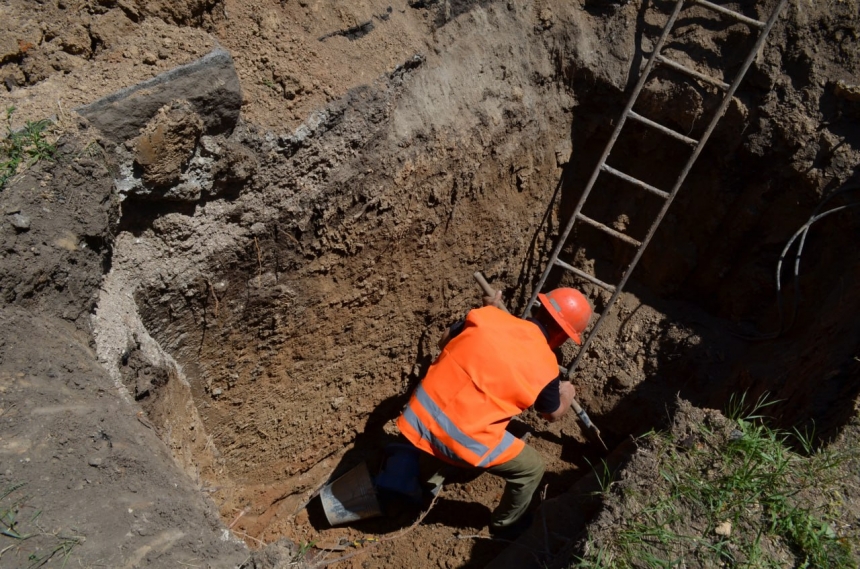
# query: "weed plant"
{"type": "Point", "coordinates": [738, 496]}
{"type": "Point", "coordinates": [23, 148]}
{"type": "Point", "coordinates": [23, 541]}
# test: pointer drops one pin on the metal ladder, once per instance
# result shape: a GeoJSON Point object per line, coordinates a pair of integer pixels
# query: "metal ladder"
{"type": "Point", "coordinates": [602, 167]}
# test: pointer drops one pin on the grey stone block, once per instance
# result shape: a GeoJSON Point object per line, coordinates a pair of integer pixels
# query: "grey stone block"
{"type": "Point", "coordinates": [210, 84]}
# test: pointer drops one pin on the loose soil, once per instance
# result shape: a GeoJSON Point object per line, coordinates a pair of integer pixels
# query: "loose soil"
{"type": "Point", "coordinates": [237, 349]}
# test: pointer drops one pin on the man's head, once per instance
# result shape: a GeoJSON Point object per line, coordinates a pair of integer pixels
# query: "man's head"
{"type": "Point", "coordinates": [565, 313]}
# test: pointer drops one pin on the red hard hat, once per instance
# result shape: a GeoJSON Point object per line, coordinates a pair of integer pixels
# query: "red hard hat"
{"type": "Point", "coordinates": [570, 309]}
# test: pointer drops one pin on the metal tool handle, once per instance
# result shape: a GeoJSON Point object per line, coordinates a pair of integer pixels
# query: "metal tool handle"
{"type": "Point", "coordinates": [488, 290]}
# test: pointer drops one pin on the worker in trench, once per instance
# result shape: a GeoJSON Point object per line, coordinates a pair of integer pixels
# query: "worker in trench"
{"type": "Point", "coordinates": [492, 367]}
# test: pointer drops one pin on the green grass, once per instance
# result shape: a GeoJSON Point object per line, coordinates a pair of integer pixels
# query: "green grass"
{"type": "Point", "coordinates": [303, 549]}
{"type": "Point", "coordinates": [23, 148]}
{"type": "Point", "coordinates": [603, 475]}
{"type": "Point", "coordinates": [9, 514]}
{"type": "Point", "coordinates": [23, 542]}
{"type": "Point", "coordinates": [782, 505]}
{"type": "Point", "coordinates": [270, 84]}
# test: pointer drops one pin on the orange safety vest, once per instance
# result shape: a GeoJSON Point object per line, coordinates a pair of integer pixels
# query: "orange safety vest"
{"type": "Point", "coordinates": [494, 369]}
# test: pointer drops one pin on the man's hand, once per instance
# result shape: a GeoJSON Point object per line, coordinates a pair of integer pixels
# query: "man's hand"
{"type": "Point", "coordinates": [495, 300]}
{"type": "Point", "coordinates": [567, 393]}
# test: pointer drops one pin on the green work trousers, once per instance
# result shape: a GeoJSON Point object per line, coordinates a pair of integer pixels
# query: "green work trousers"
{"type": "Point", "coordinates": [522, 476]}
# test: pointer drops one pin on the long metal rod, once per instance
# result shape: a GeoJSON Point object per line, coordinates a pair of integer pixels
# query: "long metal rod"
{"type": "Point", "coordinates": [719, 114]}
{"type": "Point", "coordinates": [638, 183]}
{"type": "Point", "coordinates": [584, 275]}
{"type": "Point", "coordinates": [663, 129]}
{"type": "Point", "coordinates": [606, 229]}
{"type": "Point", "coordinates": [692, 72]}
{"type": "Point", "coordinates": [633, 96]}
{"type": "Point", "coordinates": [730, 13]}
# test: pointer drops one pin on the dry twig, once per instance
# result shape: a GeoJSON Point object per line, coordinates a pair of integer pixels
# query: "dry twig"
{"type": "Point", "coordinates": [260, 542]}
{"type": "Point", "coordinates": [543, 519]}
{"type": "Point", "coordinates": [259, 258]}
{"type": "Point", "coordinates": [237, 518]}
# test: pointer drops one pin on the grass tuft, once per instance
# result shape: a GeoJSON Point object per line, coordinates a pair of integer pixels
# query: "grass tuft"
{"type": "Point", "coordinates": [21, 149]}
{"type": "Point", "coordinates": [21, 536]}
{"type": "Point", "coordinates": [741, 496]}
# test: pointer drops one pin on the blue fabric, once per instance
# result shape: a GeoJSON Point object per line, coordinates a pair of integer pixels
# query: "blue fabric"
{"type": "Point", "coordinates": [549, 399]}
{"type": "Point", "coordinates": [455, 329]}
{"type": "Point", "coordinates": [400, 473]}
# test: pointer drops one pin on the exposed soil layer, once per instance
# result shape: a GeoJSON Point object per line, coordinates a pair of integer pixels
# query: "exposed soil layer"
{"type": "Point", "coordinates": [90, 480]}
{"type": "Point", "coordinates": [783, 152]}
{"type": "Point", "coordinates": [270, 327]}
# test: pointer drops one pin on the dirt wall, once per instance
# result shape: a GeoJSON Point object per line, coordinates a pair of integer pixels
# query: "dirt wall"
{"type": "Point", "coordinates": [786, 150]}
{"type": "Point", "coordinates": [85, 477]}
{"type": "Point", "coordinates": [301, 311]}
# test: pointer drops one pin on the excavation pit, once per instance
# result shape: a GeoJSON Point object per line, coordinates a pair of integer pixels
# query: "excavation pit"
{"type": "Point", "coordinates": [312, 305]}
{"type": "Point", "coordinates": [271, 329]}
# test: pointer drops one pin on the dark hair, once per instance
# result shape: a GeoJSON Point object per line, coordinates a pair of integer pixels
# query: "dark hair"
{"type": "Point", "coordinates": [548, 322]}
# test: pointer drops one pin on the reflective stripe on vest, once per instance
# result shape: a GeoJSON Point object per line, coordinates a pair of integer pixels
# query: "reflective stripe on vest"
{"type": "Point", "coordinates": [452, 431]}
{"type": "Point", "coordinates": [447, 424]}
{"type": "Point", "coordinates": [507, 440]}
{"type": "Point", "coordinates": [412, 419]}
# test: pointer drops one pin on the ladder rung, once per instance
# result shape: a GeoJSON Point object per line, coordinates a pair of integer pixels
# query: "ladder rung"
{"type": "Point", "coordinates": [609, 230]}
{"type": "Point", "coordinates": [584, 275]}
{"type": "Point", "coordinates": [634, 181]}
{"type": "Point", "coordinates": [663, 129]}
{"type": "Point", "coordinates": [730, 13]}
{"type": "Point", "coordinates": [693, 73]}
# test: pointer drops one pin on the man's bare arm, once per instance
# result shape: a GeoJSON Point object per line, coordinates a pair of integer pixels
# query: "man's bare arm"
{"type": "Point", "coordinates": [567, 393]}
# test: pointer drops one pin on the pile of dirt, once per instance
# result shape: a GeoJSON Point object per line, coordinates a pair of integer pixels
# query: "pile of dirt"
{"type": "Point", "coordinates": [85, 477]}
{"type": "Point", "coordinates": [266, 290]}
{"type": "Point", "coordinates": [55, 56]}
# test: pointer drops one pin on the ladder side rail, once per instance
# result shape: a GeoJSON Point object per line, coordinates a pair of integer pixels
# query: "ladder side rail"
{"type": "Point", "coordinates": [719, 114]}
{"type": "Point", "coordinates": [633, 96]}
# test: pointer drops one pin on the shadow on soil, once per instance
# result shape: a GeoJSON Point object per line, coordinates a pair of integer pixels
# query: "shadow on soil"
{"type": "Point", "coordinates": [710, 267]}
{"type": "Point", "coordinates": [453, 513]}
